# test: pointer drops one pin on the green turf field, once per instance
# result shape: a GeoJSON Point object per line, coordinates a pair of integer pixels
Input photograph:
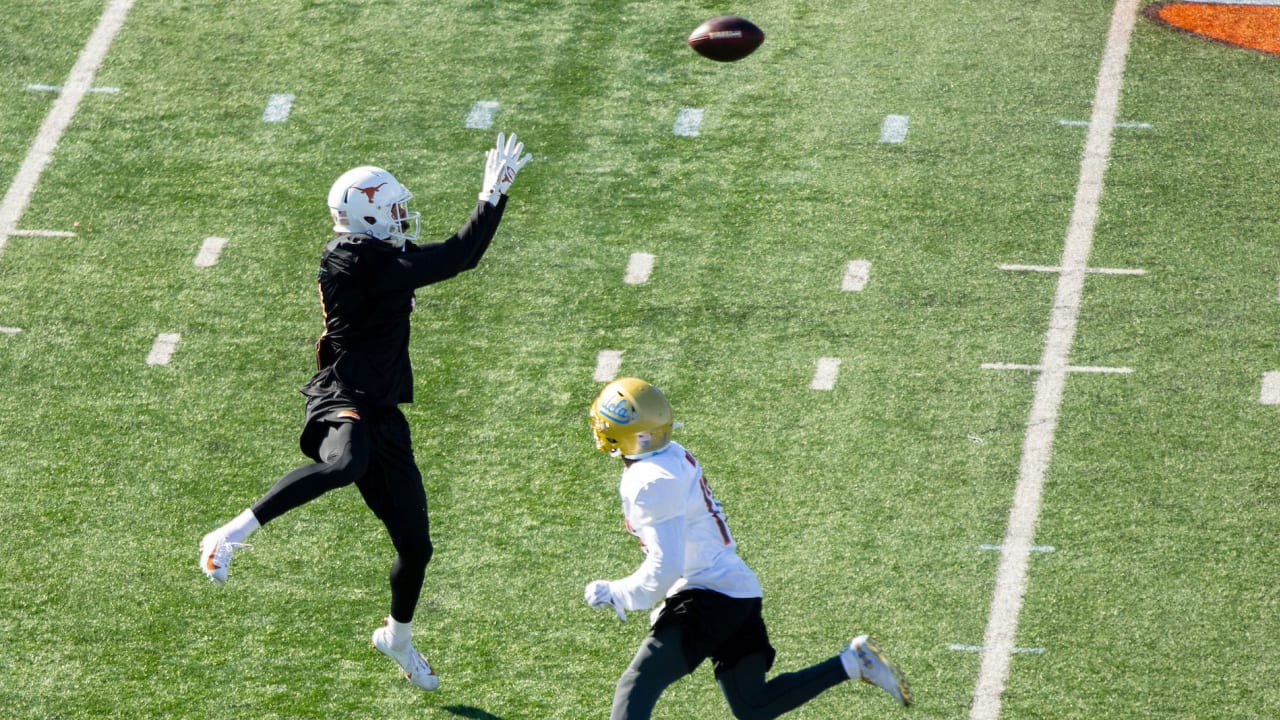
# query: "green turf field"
{"type": "Point", "coordinates": [863, 508]}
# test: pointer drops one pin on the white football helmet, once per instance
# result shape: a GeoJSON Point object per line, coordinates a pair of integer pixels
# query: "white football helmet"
{"type": "Point", "coordinates": [370, 201]}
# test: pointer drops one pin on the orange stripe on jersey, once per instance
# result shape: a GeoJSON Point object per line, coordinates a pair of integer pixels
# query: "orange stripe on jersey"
{"type": "Point", "coordinates": [324, 318]}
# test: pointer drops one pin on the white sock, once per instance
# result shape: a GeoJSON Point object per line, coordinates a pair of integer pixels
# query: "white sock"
{"type": "Point", "coordinates": [400, 632]}
{"type": "Point", "coordinates": [241, 526]}
{"type": "Point", "coordinates": [850, 662]}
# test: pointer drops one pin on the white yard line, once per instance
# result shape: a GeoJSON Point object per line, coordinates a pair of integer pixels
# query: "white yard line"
{"type": "Point", "coordinates": [1270, 393]}
{"type": "Point", "coordinates": [825, 374]}
{"type": "Point", "coordinates": [1011, 577]}
{"type": "Point", "coordinates": [55, 123]}
{"type": "Point", "coordinates": [1055, 269]}
{"type": "Point", "coordinates": [42, 233]}
{"type": "Point", "coordinates": [1068, 368]}
{"type": "Point", "coordinates": [979, 648]}
{"type": "Point", "coordinates": [1033, 548]}
{"type": "Point", "coordinates": [894, 128]}
{"type": "Point", "coordinates": [278, 108]}
{"type": "Point", "coordinates": [162, 349]}
{"type": "Point", "coordinates": [1085, 123]}
{"type": "Point", "coordinates": [607, 364]}
{"type": "Point", "coordinates": [688, 122]}
{"type": "Point", "coordinates": [209, 252]}
{"type": "Point", "coordinates": [481, 115]}
{"type": "Point", "coordinates": [639, 268]}
{"type": "Point", "coordinates": [856, 275]}
{"type": "Point", "coordinates": [58, 88]}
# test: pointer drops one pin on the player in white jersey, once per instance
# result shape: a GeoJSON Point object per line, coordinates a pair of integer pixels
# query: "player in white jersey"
{"type": "Point", "coordinates": [710, 599]}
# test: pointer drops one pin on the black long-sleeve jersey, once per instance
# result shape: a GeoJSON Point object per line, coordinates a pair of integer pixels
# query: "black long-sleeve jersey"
{"type": "Point", "coordinates": [367, 293]}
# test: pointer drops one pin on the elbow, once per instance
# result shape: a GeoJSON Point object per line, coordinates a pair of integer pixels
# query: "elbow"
{"type": "Point", "coordinates": [663, 578]}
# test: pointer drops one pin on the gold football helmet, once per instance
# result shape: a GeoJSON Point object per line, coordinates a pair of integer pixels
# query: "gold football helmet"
{"type": "Point", "coordinates": [631, 418]}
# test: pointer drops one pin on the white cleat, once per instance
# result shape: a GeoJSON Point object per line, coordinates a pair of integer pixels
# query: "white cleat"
{"type": "Point", "coordinates": [416, 668]}
{"type": "Point", "coordinates": [215, 556]}
{"type": "Point", "coordinates": [874, 669]}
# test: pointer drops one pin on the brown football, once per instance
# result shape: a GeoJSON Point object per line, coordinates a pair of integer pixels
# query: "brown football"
{"type": "Point", "coordinates": [726, 38]}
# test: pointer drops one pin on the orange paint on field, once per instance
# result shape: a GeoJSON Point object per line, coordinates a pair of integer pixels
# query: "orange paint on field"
{"type": "Point", "coordinates": [1256, 27]}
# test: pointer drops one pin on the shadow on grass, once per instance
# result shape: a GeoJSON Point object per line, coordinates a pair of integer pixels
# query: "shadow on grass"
{"type": "Point", "coordinates": [470, 712]}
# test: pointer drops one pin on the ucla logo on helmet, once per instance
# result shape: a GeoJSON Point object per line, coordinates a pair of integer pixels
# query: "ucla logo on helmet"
{"type": "Point", "coordinates": [618, 410]}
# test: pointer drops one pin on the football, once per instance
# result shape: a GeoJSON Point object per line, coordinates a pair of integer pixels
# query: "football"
{"type": "Point", "coordinates": [726, 38]}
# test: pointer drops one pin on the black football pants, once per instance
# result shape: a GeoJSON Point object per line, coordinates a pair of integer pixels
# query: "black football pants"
{"type": "Point", "coordinates": [663, 659]}
{"type": "Point", "coordinates": [375, 453]}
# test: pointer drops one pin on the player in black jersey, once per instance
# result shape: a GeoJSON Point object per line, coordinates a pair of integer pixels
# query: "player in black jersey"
{"type": "Point", "coordinates": [354, 429]}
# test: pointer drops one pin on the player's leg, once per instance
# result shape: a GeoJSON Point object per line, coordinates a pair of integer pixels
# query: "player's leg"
{"type": "Point", "coordinates": [660, 661]}
{"type": "Point", "coordinates": [342, 455]}
{"type": "Point", "coordinates": [393, 491]}
{"type": "Point", "coordinates": [401, 504]}
{"type": "Point", "coordinates": [751, 697]}
{"type": "Point", "coordinates": [744, 656]}
{"type": "Point", "coordinates": [392, 488]}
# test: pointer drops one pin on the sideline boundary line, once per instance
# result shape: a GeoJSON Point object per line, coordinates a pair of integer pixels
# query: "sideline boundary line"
{"type": "Point", "coordinates": [79, 82]}
{"type": "Point", "coordinates": [1042, 420]}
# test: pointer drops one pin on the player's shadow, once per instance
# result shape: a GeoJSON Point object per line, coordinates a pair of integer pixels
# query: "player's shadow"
{"type": "Point", "coordinates": [469, 712]}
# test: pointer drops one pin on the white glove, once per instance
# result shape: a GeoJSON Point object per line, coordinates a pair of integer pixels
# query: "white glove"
{"type": "Point", "coordinates": [500, 167]}
{"type": "Point", "coordinates": [598, 595]}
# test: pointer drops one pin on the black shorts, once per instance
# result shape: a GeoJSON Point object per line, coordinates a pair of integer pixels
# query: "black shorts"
{"type": "Point", "coordinates": [386, 473]}
{"type": "Point", "coordinates": [716, 626]}
{"type": "Point", "coordinates": [321, 412]}
{"type": "Point", "coordinates": [387, 465]}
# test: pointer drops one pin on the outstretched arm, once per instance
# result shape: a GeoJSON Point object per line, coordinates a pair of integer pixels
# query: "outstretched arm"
{"type": "Point", "coordinates": [421, 265]}
{"type": "Point", "coordinates": [425, 264]}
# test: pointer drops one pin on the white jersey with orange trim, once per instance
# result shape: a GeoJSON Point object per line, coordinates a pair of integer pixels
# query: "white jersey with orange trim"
{"type": "Point", "coordinates": [682, 529]}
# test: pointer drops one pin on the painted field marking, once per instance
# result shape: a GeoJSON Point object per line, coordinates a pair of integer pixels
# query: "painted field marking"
{"type": "Point", "coordinates": [481, 115]}
{"type": "Point", "coordinates": [1065, 368]}
{"type": "Point", "coordinates": [639, 267]}
{"type": "Point", "coordinates": [825, 374]}
{"type": "Point", "coordinates": [1033, 548]}
{"type": "Point", "coordinates": [1091, 271]}
{"type": "Point", "coordinates": [894, 128]}
{"type": "Point", "coordinates": [42, 233]}
{"type": "Point", "coordinates": [1250, 24]}
{"type": "Point", "coordinates": [688, 122]}
{"type": "Point", "coordinates": [1085, 123]}
{"type": "Point", "coordinates": [856, 275]}
{"type": "Point", "coordinates": [1042, 420]}
{"type": "Point", "coordinates": [980, 648]}
{"type": "Point", "coordinates": [278, 107]}
{"type": "Point", "coordinates": [1270, 394]}
{"type": "Point", "coordinates": [163, 348]}
{"type": "Point", "coordinates": [10, 330]}
{"type": "Point", "coordinates": [55, 123]}
{"type": "Point", "coordinates": [607, 364]}
{"type": "Point", "coordinates": [58, 88]}
{"type": "Point", "coordinates": [209, 251]}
